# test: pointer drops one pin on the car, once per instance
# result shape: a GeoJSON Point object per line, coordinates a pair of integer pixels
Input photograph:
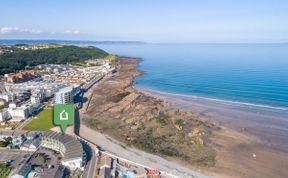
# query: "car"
{"type": "Point", "coordinates": [97, 152]}
{"type": "Point", "coordinates": [8, 161]}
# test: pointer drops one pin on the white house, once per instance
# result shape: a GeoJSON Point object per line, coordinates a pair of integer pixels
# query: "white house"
{"type": "Point", "coordinates": [38, 96]}
{"type": "Point", "coordinates": [18, 113]}
{"type": "Point", "coordinates": [7, 96]}
{"type": "Point", "coordinates": [64, 96]}
{"type": "Point", "coordinates": [4, 115]}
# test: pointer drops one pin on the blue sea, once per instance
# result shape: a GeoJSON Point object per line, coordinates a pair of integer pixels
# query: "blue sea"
{"type": "Point", "coordinates": [255, 74]}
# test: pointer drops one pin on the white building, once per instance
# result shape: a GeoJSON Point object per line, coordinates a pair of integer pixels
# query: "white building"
{"type": "Point", "coordinates": [70, 148]}
{"type": "Point", "coordinates": [18, 113]}
{"type": "Point", "coordinates": [4, 115]}
{"type": "Point", "coordinates": [64, 96]}
{"type": "Point", "coordinates": [7, 96]}
{"type": "Point", "coordinates": [38, 96]}
{"type": "Point", "coordinates": [106, 68]}
{"type": "Point", "coordinates": [12, 105]}
{"type": "Point", "coordinates": [18, 141]}
{"type": "Point", "coordinates": [31, 145]}
{"type": "Point", "coordinates": [33, 86]}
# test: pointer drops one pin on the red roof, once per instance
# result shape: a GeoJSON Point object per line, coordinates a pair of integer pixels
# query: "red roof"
{"type": "Point", "coordinates": [153, 172]}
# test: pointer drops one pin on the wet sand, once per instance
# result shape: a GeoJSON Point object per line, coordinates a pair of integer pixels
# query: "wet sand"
{"type": "Point", "coordinates": [253, 141]}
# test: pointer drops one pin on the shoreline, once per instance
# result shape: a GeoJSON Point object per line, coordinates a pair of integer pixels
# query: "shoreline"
{"type": "Point", "coordinates": [254, 122]}
{"type": "Point", "coordinates": [232, 146]}
{"type": "Point", "coordinates": [221, 101]}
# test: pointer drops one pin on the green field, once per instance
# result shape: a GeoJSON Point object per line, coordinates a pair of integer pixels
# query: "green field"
{"type": "Point", "coordinates": [4, 171]}
{"type": "Point", "coordinates": [42, 122]}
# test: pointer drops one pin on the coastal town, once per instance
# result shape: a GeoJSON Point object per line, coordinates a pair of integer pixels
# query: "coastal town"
{"type": "Point", "coordinates": [144, 89]}
{"type": "Point", "coordinates": [31, 146]}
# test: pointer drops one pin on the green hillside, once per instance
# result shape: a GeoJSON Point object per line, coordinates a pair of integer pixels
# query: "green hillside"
{"type": "Point", "coordinates": [20, 59]}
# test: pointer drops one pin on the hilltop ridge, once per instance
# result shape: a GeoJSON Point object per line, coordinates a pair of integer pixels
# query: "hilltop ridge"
{"type": "Point", "coordinates": [17, 58]}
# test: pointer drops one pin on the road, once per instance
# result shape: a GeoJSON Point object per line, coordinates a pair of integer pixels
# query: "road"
{"type": "Point", "coordinates": [93, 82]}
{"type": "Point", "coordinates": [16, 156]}
{"type": "Point", "coordinates": [91, 166]}
{"type": "Point", "coordinates": [83, 99]}
{"type": "Point", "coordinates": [25, 122]}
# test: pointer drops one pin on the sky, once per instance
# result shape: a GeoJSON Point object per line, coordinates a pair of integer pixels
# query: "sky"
{"type": "Point", "coordinates": [181, 21]}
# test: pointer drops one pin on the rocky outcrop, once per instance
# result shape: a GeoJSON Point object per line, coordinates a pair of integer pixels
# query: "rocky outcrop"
{"type": "Point", "coordinates": [145, 122]}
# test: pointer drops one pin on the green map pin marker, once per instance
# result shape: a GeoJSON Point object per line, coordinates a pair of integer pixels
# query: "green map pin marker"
{"type": "Point", "coordinates": [63, 115]}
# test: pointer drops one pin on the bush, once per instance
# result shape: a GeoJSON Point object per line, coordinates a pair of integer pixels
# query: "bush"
{"type": "Point", "coordinates": [180, 122]}
{"type": "Point", "coordinates": [162, 119]}
{"type": "Point", "coordinates": [4, 170]}
{"type": "Point", "coordinates": [169, 151]}
{"type": "Point", "coordinates": [3, 143]}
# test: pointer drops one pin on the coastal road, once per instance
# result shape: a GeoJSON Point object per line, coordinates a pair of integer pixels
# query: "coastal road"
{"type": "Point", "coordinates": [91, 166]}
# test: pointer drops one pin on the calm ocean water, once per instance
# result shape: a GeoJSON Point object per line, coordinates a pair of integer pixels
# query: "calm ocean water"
{"type": "Point", "coordinates": [256, 74]}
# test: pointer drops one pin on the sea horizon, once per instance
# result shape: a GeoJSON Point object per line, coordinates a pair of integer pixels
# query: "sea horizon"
{"type": "Point", "coordinates": [45, 41]}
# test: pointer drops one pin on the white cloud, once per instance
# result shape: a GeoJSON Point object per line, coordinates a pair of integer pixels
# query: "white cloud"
{"type": "Point", "coordinates": [26, 31]}
{"type": "Point", "coordinates": [7, 30]}
{"type": "Point", "coordinates": [32, 31]}
{"type": "Point", "coordinates": [72, 32]}
{"type": "Point", "coordinates": [13, 30]}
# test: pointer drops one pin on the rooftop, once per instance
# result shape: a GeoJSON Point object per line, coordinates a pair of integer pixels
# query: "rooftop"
{"type": "Point", "coordinates": [73, 146]}
{"type": "Point", "coordinates": [66, 89]}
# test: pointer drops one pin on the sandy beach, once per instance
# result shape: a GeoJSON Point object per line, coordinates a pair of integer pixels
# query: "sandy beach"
{"type": "Point", "coordinates": [249, 143]}
{"type": "Point", "coordinates": [265, 125]}
{"type": "Point", "coordinates": [253, 141]}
